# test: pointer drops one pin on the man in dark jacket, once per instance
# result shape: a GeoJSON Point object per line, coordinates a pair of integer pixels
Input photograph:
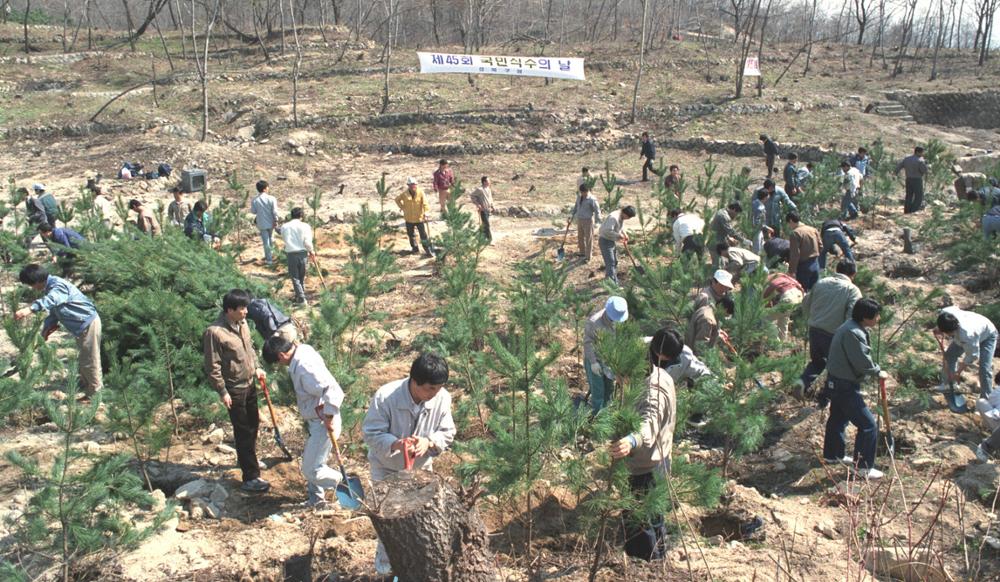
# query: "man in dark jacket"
{"type": "Point", "coordinates": [835, 234]}
{"type": "Point", "coordinates": [649, 153]}
{"type": "Point", "coordinates": [850, 362]}
{"type": "Point", "coordinates": [269, 320]}
{"type": "Point", "coordinates": [915, 167]}
{"type": "Point", "coordinates": [770, 153]}
{"type": "Point", "coordinates": [792, 183]}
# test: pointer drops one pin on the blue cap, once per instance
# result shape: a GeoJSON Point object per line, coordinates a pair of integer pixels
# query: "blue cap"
{"type": "Point", "coordinates": [616, 309]}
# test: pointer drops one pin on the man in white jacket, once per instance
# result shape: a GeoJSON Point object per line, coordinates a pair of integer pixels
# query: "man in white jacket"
{"type": "Point", "coordinates": [319, 398]}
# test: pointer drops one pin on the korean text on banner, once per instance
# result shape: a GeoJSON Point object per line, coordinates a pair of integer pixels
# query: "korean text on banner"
{"type": "Point", "coordinates": [554, 67]}
{"type": "Point", "coordinates": [751, 67]}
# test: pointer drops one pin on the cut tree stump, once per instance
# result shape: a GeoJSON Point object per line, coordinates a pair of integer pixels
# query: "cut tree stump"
{"type": "Point", "coordinates": [907, 241]}
{"type": "Point", "coordinates": [429, 532]}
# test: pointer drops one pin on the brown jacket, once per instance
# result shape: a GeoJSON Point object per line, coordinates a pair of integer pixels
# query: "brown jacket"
{"type": "Point", "coordinates": [703, 328]}
{"type": "Point", "coordinates": [655, 437]}
{"type": "Point", "coordinates": [804, 244]}
{"type": "Point", "coordinates": [230, 359]}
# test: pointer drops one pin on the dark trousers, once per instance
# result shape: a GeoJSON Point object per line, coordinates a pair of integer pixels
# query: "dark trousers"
{"type": "Point", "coordinates": [848, 406]}
{"type": "Point", "coordinates": [993, 441]}
{"type": "Point", "coordinates": [411, 229]}
{"type": "Point", "coordinates": [643, 540]}
{"type": "Point", "coordinates": [834, 238]}
{"type": "Point", "coordinates": [245, 417]}
{"type": "Point", "coordinates": [484, 217]}
{"type": "Point", "coordinates": [807, 272]}
{"type": "Point", "coordinates": [914, 195]}
{"type": "Point", "coordinates": [770, 164]}
{"type": "Point", "coordinates": [297, 273]}
{"type": "Point", "coordinates": [819, 350]}
{"type": "Point", "coordinates": [646, 168]}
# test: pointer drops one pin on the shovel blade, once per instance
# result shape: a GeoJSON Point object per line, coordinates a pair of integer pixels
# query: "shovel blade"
{"type": "Point", "coordinates": [350, 494]}
{"type": "Point", "coordinates": [640, 269]}
{"type": "Point", "coordinates": [561, 254]}
{"type": "Point", "coordinates": [956, 403]}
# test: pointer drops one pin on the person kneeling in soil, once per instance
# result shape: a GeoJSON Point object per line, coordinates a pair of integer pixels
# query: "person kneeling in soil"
{"type": "Point", "coordinates": [849, 364]}
{"type": "Point", "coordinates": [319, 397]}
{"type": "Point", "coordinates": [647, 450]}
{"type": "Point", "coordinates": [412, 414]}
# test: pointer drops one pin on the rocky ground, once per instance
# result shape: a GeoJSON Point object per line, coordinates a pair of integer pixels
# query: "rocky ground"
{"type": "Point", "coordinates": [531, 139]}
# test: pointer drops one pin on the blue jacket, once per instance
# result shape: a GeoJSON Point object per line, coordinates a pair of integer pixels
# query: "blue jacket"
{"type": "Point", "coordinates": [67, 238]}
{"type": "Point", "coordinates": [648, 149]}
{"type": "Point", "coordinates": [197, 228]}
{"type": "Point", "coordinates": [778, 197]}
{"type": "Point", "coordinates": [66, 305]}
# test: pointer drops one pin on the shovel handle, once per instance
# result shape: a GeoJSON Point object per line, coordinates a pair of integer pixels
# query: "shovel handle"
{"type": "Point", "coordinates": [270, 407]}
{"type": "Point", "coordinates": [336, 452]}
{"type": "Point", "coordinates": [319, 271]}
{"type": "Point", "coordinates": [407, 455]}
{"type": "Point", "coordinates": [885, 404]}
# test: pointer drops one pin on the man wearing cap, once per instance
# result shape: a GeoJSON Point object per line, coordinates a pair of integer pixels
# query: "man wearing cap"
{"type": "Point", "coordinates": [444, 179]}
{"type": "Point", "coordinates": [600, 378]}
{"type": "Point", "coordinates": [826, 308]}
{"type": "Point", "coordinates": [146, 223]}
{"type": "Point", "coordinates": [45, 201]}
{"type": "Point", "coordinates": [703, 326]}
{"type": "Point", "coordinates": [718, 287]}
{"type": "Point", "coordinates": [612, 231]}
{"type": "Point", "coordinates": [804, 245]}
{"type": "Point", "coordinates": [414, 207]}
{"type": "Point", "coordinates": [33, 206]}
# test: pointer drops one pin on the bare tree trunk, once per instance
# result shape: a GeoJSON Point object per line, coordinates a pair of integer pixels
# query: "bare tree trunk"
{"type": "Point", "coordinates": [434, 23]}
{"type": "Point", "coordinates": [256, 30]}
{"type": "Point", "coordinates": [812, 32]}
{"type": "Point", "coordinates": [295, 70]}
{"type": "Point", "coordinates": [166, 51]}
{"type": "Point", "coordinates": [911, 9]}
{"type": "Point", "coordinates": [392, 6]}
{"type": "Point", "coordinates": [642, 59]}
{"type": "Point", "coordinates": [201, 61]}
{"type": "Point", "coordinates": [131, 25]}
{"type": "Point", "coordinates": [336, 12]}
{"type": "Point", "coordinates": [751, 21]}
{"type": "Point", "coordinates": [65, 25]}
{"type": "Point", "coordinates": [940, 39]}
{"type": "Point", "coordinates": [760, 47]}
{"type": "Point", "coordinates": [27, 45]}
{"type": "Point", "coordinates": [281, 10]}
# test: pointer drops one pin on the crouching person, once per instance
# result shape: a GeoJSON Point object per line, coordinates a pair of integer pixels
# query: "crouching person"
{"type": "Point", "coordinates": [647, 451]}
{"type": "Point", "coordinates": [412, 414]}
{"type": "Point", "coordinates": [319, 398]}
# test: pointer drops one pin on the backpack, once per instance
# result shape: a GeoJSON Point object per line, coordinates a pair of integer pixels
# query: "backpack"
{"type": "Point", "coordinates": [164, 170]}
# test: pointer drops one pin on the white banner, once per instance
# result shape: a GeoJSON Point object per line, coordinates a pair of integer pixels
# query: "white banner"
{"type": "Point", "coordinates": [557, 68]}
{"type": "Point", "coordinates": [751, 67]}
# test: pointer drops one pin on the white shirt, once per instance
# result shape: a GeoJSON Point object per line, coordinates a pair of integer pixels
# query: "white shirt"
{"type": "Point", "coordinates": [852, 179]}
{"type": "Point", "coordinates": [685, 226]}
{"type": "Point", "coordinates": [298, 236]}
{"type": "Point", "coordinates": [687, 367]}
{"type": "Point", "coordinates": [973, 329]}
{"type": "Point", "coordinates": [314, 384]}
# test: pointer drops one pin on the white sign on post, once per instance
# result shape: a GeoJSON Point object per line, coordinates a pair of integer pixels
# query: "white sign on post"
{"type": "Point", "coordinates": [554, 67]}
{"type": "Point", "coordinates": [751, 67]}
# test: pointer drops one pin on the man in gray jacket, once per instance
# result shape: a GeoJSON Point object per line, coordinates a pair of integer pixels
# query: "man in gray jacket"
{"type": "Point", "coordinates": [915, 168]}
{"type": "Point", "coordinates": [827, 306]}
{"type": "Point", "coordinates": [408, 418]}
{"type": "Point", "coordinates": [265, 209]}
{"type": "Point", "coordinates": [849, 364]}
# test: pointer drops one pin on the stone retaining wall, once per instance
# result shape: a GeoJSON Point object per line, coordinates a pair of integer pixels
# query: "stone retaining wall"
{"type": "Point", "coordinates": [979, 109]}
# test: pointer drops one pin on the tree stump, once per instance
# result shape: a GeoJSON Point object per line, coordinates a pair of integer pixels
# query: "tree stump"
{"type": "Point", "coordinates": [429, 533]}
{"type": "Point", "coordinates": [907, 242]}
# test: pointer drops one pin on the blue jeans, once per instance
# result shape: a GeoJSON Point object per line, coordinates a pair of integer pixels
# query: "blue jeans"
{"type": "Point", "coordinates": [848, 207]}
{"type": "Point", "coordinates": [601, 389]}
{"type": "Point", "coordinates": [807, 272]}
{"type": "Point", "coordinates": [831, 238]}
{"type": "Point", "coordinates": [986, 349]}
{"type": "Point", "coordinates": [819, 350]}
{"type": "Point", "coordinates": [848, 406]}
{"type": "Point", "coordinates": [609, 252]}
{"type": "Point", "coordinates": [991, 226]}
{"type": "Point", "coordinates": [265, 237]}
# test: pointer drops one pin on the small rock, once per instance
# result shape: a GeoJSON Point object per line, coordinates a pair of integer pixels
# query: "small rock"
{"type": "Point", "coordinates": [218, 494]}
{"type": "Point", "coordinates": [197, 512]}
{"type": "Point", "coordinates": [191, 489]}
{"type": "Point", "coordinates": [90, 447]}
{"type": "Point", "coordinates": [225, 449]}
{"type": "Point", "coordinates": [717, 541]}
{"type": "Point", "coordinates": [245, 133]}
{"type": "Point", "coordinates": [300, 151]}
{"type": "Point", "coordinates": [171, 524]}
{"type": "Point", "coordinates": [781, 455]}
{"type": "Point", "coordinates": [992, 542]}
{"type": "Point", "coordinates": [212, 511]}
{"type": "Point", "coordinates": [828, 530]}
{"type": "Point", "coordinates": [215, 437]}
{"type": "Point", "coordinates": [159, 500]}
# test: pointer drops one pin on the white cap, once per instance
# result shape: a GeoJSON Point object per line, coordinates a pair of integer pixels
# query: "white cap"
{"type": "Point", "coordinates": [724, 278]}
{"type": "Point", "coordinates": [411, 181]}
{"type": "Point", "coordinates": [616, 308]}
{"type": "Point", "coordinates": [38, 187]}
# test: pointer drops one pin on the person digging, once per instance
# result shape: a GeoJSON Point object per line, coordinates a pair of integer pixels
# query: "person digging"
{"type": "Point", "coordinates": [319, 399]}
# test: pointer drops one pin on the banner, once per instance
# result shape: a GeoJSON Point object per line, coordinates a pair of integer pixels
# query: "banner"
{"type": "Point", "coordinates": [751, 67]}
{"type": "Point", "coordinates": [556, 68]}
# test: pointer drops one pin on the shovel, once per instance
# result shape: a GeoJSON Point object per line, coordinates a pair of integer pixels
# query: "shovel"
{"type": "Point", "coordinates": [956, 402]}
{"type": "Point", "coordinates": [319, 271]}
{"type": "Point", "coordinates": [430, 245]}
{"type": "Point", "coordinates": [890, 441]}
{"type": "Point", "coordinates": [561, 253]}
{"type": "Point", "coordinates": [350, 493]}
{"type": "Point", "coordinates": [638, 268]}
{"type": "Point", "coordinates": [274, 421]}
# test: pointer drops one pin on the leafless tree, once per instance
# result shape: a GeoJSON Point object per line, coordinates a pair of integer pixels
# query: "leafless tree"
{"type": "Point", "coordinates": [201, 60]}
{"type": "Point", "coordinates": [391, 25]}
{"type": "Point", "coordinates": [905, 35]}
{"type": "Point", "coordinates": [296, 67]}
{"type": "Point", "coordinates": [940, 39]}
{"type": "Point", "coordinates": [985, 11]}
{"type": "Point", "coordinates": [862, 13]}
{"type": "Point", "coordinates": [812, 33]}
{"type": "Point", "coordinates": [746, 43]}
{"type": "Point", "coordinates": [27, 12]}
{"type": "Point", "coordinates": [642, 58]}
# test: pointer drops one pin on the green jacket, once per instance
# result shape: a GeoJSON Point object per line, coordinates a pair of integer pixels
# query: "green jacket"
{"type": "Point", "coordinates": [850, 354]}
{"type": "Point", "coordinates": [829, 303]}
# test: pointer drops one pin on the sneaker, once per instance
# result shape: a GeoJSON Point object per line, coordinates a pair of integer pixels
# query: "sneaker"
{"type": "Point", "coordinates": [981, 455]}
{"type": "Point", "coordinates": [257, 485]}
{"type": "Point", "coordinates": [799, 389]}
{"type": "Point", "coordinates": [847, 460]}
{"type": "Point", "coordinates": [872, 474]}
